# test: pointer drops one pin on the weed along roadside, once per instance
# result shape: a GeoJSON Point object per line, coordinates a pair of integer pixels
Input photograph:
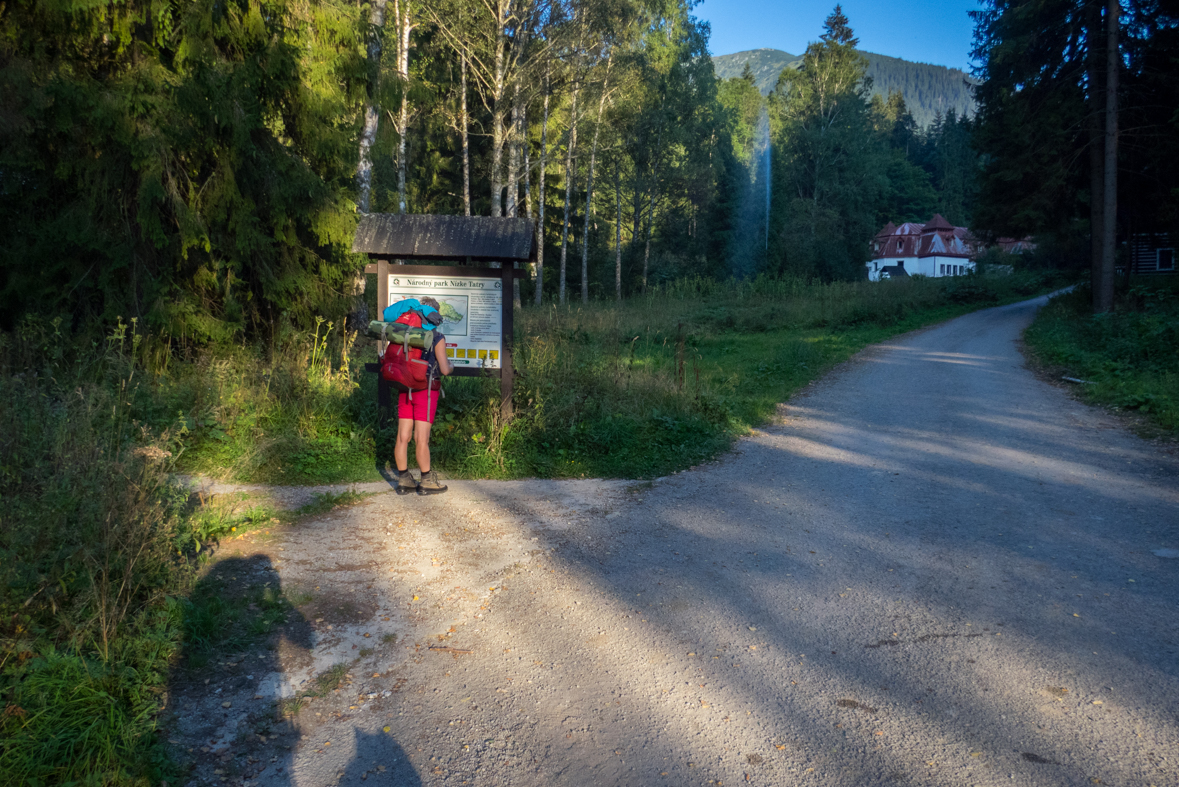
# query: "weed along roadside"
{"type": "Point", "coordinates": [598, 388]}
{"type": "Point", "coordinates": [122, 591]}
{"type": "Point", "coordinates": [1127, 359]}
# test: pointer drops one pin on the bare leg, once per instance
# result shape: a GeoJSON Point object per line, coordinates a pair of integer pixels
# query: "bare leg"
{"type": "Point", "coordinates": [401, 448]}
{"type": "Point", "coordinates": [421, 443]}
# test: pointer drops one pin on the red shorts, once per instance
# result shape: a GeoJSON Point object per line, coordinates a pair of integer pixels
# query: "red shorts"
{"type": "Point", "coordinates": [422, 408]}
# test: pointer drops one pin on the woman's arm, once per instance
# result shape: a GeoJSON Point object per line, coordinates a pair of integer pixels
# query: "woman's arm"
{"type": "Point", "coordinates": [440, 355]}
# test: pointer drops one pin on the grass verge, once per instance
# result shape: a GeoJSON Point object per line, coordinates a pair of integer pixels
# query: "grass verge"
{"type": "Point", "coordinates": [633, 389]}
{"type": "Point", "coordinates": [99, 552]}
{"type": "Point", "coordinates": [660, 383]}
{"type": "Point", "coordinates": [1129, 357]}
{"type": "Point", "coordinates": [92, 561]}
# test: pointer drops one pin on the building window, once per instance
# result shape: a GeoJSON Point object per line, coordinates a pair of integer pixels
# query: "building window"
{"type": "Point", "coordinates": [900, 247]}
{"type": "Point", "coordinates": [1166, 259]}
{"type": "Point", "coordinates": [955, 270]}
{"type": "Point", "coordinates": [943, 273]}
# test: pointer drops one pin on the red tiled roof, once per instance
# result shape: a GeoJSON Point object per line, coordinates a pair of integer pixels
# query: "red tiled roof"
{"type": "Point", "coordinates": [938, 222]}
{"type": "Point", "coordinates": [936, 237]}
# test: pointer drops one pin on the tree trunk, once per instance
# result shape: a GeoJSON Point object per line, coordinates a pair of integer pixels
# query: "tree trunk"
{"type": "Point", "coordinates": [401, 9]}
{"type": "Point", "coordinates": [647, 246]}
{"type": "Point", "coordinates": [570, 174]}
{"type": "Point", "coordinates": [466, 146]}
{"type": "Point", "coordinates": [527, 150]}
{"type": "Point", "coordinates": [498, 111]}
{"type": "Point", "coordinates": [403, 132]}
{"type": "Point", "coordinates": [651, 200]}
{"type": "Point", "coordinates": [637, 197]}
{"type": "Point", "coordinates": [364, 168]}
{"type": "Point", "coordinates": [589, 189]}
{"type": "Point", "coordinates": [538, 272]}
{"type": "Point", "coordinates": [527, 172]}
{"type": "Point", "coordinates": [513, 157]}
{"type": "Point", "coordinates": [510, 207]}
{"type": "Point", "coordinates": [1095, 123]}
{"type": "Point", "coordinates": [617, 231]}
{"type": "Point", "coordinates": [372, 113]}
{"type": "Point", "coordinates": [1110, 186]}
{"type": "Point", "coordinates": [650, 225]}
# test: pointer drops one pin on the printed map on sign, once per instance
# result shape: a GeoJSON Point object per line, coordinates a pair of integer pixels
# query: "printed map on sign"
{"type": "Point", "coordinates": [472, 315]}
{"type": "Point", "coordinates": [454, 315]}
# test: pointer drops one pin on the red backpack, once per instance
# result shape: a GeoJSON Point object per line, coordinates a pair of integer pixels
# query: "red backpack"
{"type": "Point", "coordinates": [404, 366]}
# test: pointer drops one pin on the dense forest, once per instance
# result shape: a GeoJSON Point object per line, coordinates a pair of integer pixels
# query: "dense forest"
{"type": "Point", "coordinates": [928, 90]}
{"type": "Point", "coordinates": [199, 166]}
{"type": "Point", "coordinates": [1077, 128]}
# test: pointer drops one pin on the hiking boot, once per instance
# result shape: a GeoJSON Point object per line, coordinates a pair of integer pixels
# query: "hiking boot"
{"type": "Point", "coordinates": [405, 483]}
{"type": "Point", "coordinates": [430, 484]}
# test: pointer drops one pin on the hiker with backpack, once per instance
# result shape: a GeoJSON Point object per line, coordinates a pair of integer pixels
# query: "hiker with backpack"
{"type": "Point", "coordinates": [413, 363]}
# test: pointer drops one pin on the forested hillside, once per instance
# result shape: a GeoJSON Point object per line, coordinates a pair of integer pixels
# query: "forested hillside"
{"type": "Point", "coordinates": [927, 89]}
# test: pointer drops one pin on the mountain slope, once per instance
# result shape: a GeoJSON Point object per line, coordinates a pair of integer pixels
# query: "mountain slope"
{"type": "Point", "coordinates": [927, 89]}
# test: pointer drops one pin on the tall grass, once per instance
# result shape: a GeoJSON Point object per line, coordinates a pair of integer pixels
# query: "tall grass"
{"type": "Point", "coordinates": [666, 380]}
{"type": "Point", "coordinates": [89, 532]}
{"type": "Point", "coordinates": [1130, 355]}
{"type": "Point", "coordinates": [290, 413]}
{"type": "Point", "coordinates": [658, 382]}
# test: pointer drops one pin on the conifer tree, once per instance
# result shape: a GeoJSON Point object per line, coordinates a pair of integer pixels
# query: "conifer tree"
{"type": "Point", "coordinates": [195, 172]}
{"type": "Point", "coordinates": [829, 166]}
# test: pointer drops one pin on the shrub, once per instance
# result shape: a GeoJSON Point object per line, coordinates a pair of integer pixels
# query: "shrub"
{"type": "Point", "coordinates": [88, 558]}
{"type": "Point", "coordinates": [1131, 354]}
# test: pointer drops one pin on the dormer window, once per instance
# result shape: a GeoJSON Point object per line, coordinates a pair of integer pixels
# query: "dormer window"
{"type": "Point", "coordinates": [900, 247]}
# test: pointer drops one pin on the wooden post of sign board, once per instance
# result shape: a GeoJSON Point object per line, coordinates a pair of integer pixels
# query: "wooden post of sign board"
{"type": "Point", "coordinates": [382, 290]}
{"type": "Point", "coordinates": [384, 390]}
{"type": "Point", "coordinates": [507, 276]}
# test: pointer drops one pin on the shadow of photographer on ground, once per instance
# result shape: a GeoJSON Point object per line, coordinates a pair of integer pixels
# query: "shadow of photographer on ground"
{"type": "Point", "coordinates": [241, 636]}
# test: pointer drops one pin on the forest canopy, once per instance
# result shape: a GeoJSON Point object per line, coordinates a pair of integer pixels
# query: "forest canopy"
{"type": "Point", "coordinates": [199, 166]}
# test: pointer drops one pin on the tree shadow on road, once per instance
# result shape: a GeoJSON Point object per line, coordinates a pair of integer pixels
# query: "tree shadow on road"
{"type": "Point", "coordinates": [990, 574]}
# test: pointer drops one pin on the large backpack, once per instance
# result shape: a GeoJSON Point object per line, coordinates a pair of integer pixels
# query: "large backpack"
{"type": "Point", "coordinates": [404, 364]}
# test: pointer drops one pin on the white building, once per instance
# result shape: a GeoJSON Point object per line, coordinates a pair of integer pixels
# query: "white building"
{"type": "Point", "coordinates": [934, 249]}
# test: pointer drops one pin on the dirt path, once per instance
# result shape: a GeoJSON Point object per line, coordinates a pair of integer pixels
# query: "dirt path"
{"type": "Point", "coordinates": [936, 571]}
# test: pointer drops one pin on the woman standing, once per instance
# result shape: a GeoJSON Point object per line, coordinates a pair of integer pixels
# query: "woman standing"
{"type": "Point", "coordinates": [415, 417]}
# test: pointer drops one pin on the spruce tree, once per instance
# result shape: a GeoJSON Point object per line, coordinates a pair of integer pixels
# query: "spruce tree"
{"type": "Point", "coordinates": [829, 163]}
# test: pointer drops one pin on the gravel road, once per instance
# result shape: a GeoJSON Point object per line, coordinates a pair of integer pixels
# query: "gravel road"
{"type": "Point", "coordinates": [934, 570]}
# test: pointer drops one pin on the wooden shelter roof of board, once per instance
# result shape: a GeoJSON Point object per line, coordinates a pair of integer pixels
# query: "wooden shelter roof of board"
{"type": "Point", "coordinates": [427, 237]}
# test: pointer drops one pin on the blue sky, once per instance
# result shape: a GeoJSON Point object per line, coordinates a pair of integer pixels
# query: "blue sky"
{"type": "Point", "coordinates": [927, 31]}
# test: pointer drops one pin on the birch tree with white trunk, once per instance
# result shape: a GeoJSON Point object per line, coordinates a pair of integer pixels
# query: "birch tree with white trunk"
{"type": "Point", "coordinates": [589, 184]}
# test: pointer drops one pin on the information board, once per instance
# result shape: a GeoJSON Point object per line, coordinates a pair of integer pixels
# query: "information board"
{"type": "Point", "coordinates": [472, 312]}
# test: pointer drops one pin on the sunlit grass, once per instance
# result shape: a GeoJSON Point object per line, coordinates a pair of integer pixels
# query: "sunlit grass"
{"type": "Point", "coordinates": [665, 381]}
